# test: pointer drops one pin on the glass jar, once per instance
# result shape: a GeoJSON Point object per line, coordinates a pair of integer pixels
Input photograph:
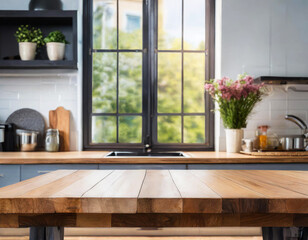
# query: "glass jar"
{"type": "Point", "coordinates": [263, 137]}
{"type": "Point", "coordinates": [52, 140]}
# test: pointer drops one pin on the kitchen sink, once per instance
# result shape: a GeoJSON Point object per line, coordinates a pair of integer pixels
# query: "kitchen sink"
{"type": "Point", "coordinates": [146, 154]}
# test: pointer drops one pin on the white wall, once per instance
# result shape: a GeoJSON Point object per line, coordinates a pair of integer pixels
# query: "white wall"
{"type": "Point", "coordinates": [260, 37]}
{"type": "Point", "coordinates": [45, 90]}
{"type": "Point", "coordinates": [265, 37]}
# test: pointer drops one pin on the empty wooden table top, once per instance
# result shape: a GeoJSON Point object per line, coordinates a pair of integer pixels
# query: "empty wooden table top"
{"type": "Point", "coordinates": [280, 196]}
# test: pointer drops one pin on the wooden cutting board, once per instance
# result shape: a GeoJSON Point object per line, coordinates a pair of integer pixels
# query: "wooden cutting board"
{"type": "Point", "coordinates": [278, 153]}
{"type": "Point", "coordinates": [60, 119]}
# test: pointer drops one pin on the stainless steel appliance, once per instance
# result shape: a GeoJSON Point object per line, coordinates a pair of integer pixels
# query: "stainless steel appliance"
{"type": "Point", "coordinates": [26, 140]}
{"type": "Point", "coordinates": [7, 137]}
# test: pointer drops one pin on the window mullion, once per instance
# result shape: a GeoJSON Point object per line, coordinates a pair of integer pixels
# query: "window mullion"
{"type": "Point", "coordinates": [152, 67]}
{"type": "Point", "coordinates": [182, 78]}
{"type": "Point", "coordinates": [117, 118]}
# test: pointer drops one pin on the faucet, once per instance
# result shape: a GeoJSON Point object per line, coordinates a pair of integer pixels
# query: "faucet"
{"type": "Point", "coordinates": [147, 144]}
{"type": "Point", "coordinates": [299, 122]}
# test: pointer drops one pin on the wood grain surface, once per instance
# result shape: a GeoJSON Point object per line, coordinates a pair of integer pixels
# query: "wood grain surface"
{"type": "Point", "coordinates": [277, 153]}
{"type": "Point", "coordinates": [60, 119]}
{"type": "Point", "coordinates": [157, 198]}
{"type": "Point", "coordinates": [98, 157]}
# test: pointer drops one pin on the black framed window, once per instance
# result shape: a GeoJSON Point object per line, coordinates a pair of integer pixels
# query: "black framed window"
{"type": "Point", "coordinates": [145, 63]}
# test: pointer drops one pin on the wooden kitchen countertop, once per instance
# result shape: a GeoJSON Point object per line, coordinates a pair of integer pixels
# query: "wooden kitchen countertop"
{"type": "Point", "coordinates": [157, 198]}
{"type": "Point", "coordinates": [99, 158]}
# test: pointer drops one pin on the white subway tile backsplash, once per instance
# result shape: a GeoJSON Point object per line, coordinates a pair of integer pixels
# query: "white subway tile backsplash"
{"type": "Point", "coordinates": [276, 93]}
{"type": "Point", "coordinates": [17, 104]}
{"type": "Point", "coordinates": [277, 115]}
{"type": "Point", "coordinates": [286, 132]}
{"type": "Point", "coordinates": [278, 104]}
{"type": "Point", "coordinates": [66, 92]}
{"type": "Point", "coordinates": [8, 94]}
{"type": "Point", "coordinates": [254, 115]}
{"type": "Point", "coordinates": [292, 95]}
{"type": "Point", "coordinates": [4, 112]}
{"type": "Point", "coordinates": [17, 81]}
{"type": "Point", "coordinates": [297, 105]}
{"type": "Point", "coordinates": [41, 93]}
{"type": "Point", "coordinates": [27, 92]}
{"type": "Point", "coordinates": [262, 106]}
{"type": "Point", "coordinates": [4, 104]}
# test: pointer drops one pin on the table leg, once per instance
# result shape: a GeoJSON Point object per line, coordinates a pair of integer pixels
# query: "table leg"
{"type": "Point", "coordinates": [272, 233]}
{"type": "Point", "coordinates": [46, 233]}
{"type": "Point", "coordinates": [286, 233]}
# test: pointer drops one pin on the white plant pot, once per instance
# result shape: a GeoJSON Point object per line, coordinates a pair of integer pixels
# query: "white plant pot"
{"type": "Point", "coordinates": [27, 51]}
{"type": "Point", "coordinates": [233, 140]}
{"type": "Point", "coordinates": [55, 51]}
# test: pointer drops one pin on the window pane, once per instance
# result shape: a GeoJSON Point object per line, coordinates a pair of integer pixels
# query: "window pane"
{"type": "Point", "coordinates": [194, 24]}
{"type": "Point", "coordinates": [169, 83]}
{"type": "Point", "coordinates": [104, 129]}
{"type": "Point", "coordinates": [194, 129]}
{"type": "Point", "coordinates": [130, 129]}
{"type": "Point", "coordinates": [169, 24]}
{"type": "Point", "coordinates": [130, 24]}
{"type": "Point", "coordinates": [194, 77]}
{"type": "Point", "coordinates": [104, 24]}
{"type": "Point", "coordinates": [130, 82]}
{"type": "Point", "coordinates": [104, 83]}
{"type": "Point", "coordinates": [169, 129]}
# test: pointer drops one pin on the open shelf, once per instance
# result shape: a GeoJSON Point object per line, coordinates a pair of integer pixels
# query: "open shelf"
{"type": "Point", "coordinates": [47, 21]}
{"type": "Point", "coordinates": [14, 64]}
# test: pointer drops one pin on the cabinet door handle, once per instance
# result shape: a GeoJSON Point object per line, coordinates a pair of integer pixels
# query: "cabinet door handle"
{"type": "Point", "coordinates": [43, 171]}
{"type": "Point", "coordinates": [1, 175]}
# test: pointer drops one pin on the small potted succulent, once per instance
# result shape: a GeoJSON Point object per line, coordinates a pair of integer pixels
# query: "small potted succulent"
{"type": "Point", "coordinates": [29, 39]}
{"type": "Point", "coordinates": [55, 42]}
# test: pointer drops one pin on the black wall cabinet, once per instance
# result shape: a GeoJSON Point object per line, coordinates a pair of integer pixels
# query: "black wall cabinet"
{"type": "Point", "coordinates": [47, 21]}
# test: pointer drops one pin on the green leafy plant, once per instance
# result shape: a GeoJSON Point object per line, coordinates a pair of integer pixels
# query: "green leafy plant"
{"type": "Point", "coordinates": [55, 36]}
{"type": "Point", "coordinates": [26, 33]}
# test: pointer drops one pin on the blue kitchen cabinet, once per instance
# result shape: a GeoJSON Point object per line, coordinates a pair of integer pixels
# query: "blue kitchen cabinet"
{"type": "Point", "coordinates": [9, 174]}
{"type": "Point", "coordinates": [29, 171]}
{"type": "Point", "coordinates": [141, 166]}
{"type": "Point", "coordinates": [253, 166]}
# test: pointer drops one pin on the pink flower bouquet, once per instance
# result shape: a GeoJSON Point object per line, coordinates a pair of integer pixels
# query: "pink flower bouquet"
{"type": "Point", "coordinates": [235, 99]}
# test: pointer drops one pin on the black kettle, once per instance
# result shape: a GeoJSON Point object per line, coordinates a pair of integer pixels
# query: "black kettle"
{"type": "Point", "coordinates": [45, 5]}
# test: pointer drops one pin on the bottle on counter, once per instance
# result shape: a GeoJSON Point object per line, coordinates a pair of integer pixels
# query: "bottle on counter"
{"type": "Point", "coordinates": [263, 137]}
{"type": "Point", "coordinates": [256, 142]}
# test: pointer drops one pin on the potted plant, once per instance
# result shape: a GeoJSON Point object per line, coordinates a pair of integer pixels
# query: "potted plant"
{"type": "Point", "coordinates": [55, 42]}
{"type": "Point", "coordinates": [235, 100]}
{"type": "Point", "coordinates": [29, 39]}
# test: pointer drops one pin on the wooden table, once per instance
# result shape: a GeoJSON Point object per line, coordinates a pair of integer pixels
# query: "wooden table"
{"type": "Point", "coordinates": [155, 198]}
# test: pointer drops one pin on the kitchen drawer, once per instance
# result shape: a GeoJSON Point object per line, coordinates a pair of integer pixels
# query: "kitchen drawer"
{"type": "Point", "coordinates": [259, 166]}
{"type": "Point", "coordinates": [142, 166]}
{"type": "Point", "coordinates": [9, 174]}
{"type": "Point", "coordinates": [29, 171]}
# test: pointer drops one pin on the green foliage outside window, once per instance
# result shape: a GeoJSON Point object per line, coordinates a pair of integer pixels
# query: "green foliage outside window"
{"type": "Point", "coordinates": [104, 89]}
